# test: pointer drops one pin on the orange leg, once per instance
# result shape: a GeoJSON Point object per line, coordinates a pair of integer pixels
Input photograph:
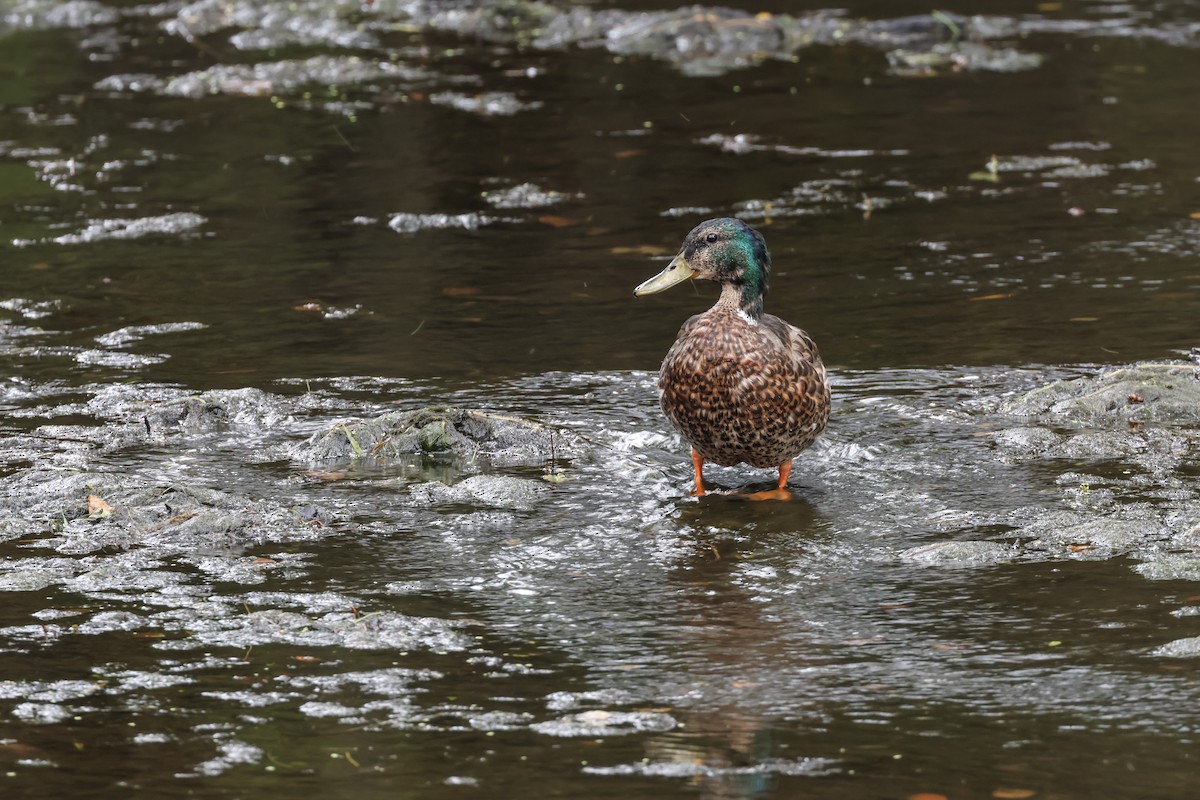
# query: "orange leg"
{"type": "Point", "coordinates": [781, 492]}
{"type": "Point", "coordinates": [698, 468]}
{"type": "Point", "coordinates": [785, 469]}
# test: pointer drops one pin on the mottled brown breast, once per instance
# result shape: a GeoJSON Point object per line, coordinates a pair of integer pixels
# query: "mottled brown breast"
{"type": "Point", "coordinates": [744, 391]}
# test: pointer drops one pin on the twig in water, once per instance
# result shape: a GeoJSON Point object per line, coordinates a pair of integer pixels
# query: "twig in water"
{"type": "Point", "coordinates": [948, 21]}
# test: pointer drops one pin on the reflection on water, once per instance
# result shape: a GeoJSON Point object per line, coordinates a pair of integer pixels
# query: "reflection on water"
{"type": "Point", "coordinates": [964, 598]}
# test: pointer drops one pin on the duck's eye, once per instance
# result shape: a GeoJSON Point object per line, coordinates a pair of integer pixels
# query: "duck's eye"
{"type": "Point", "coordinates": [711, 238]}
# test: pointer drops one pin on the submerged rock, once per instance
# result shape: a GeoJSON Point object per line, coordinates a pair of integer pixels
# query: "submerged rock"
{"type": "Point", "coordinates": [964, 553]}
{"type": "Point", "coordinates": [138, 512]}
{"type": "Point", "coordinates": [1171, 568]}
{"type": "Point", "coordinates": [1180, 648]}
{"type": "Point", "coordinates": [1151, 392]}
{"type": "Point", "coordinates": [440, 431]}
{"type": "Point", "coordinates": [499, 491]}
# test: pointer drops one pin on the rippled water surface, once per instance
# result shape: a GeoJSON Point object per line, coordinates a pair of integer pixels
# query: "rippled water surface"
{"type": "Point", "coordinates": [226, 228]}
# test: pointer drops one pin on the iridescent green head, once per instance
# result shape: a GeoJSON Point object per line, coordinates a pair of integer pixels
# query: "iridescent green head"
{"type": "Point", "coordinates": [724, 250]}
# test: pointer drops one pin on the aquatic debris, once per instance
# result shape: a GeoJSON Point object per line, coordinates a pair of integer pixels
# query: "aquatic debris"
{"type": "Point", "coordinates": [701, 768]}
{"type": "Point", "coordinates": [378, 630]}
{"type": "Point", "coordinates": [38, 14]}
{"type": "Point", "coordinates": [698, 40]}
{"type": "Point", "coordinates": [130, 82]}
{"type": "Point", "coordinates": [288, 76]}
{"type": "Point", "coordinates": [606, 723]}
{"type": "Point", "coordinates": [31, 309]}
{"type": "Point", "coordinates": [741, 143]}
{"type": "Point", "coordinates": [961, 57]}
{"type": "Point", "coordinates": [175, 224]}
{"type": "Point", "coordinates": [486, 103]}
{"type": "Point", "coordinates": [262, 26]}
{"type": "Point", "coordinates": [330, 312]}
{"type": "Point", "coordinates": [526, 195]}
{"type": "Point", "coordinates": [41, 713]}
{"type": "Point", "coordinates": [135, 333]}
{"type": "Point", "coordinates": [229, 754]}
{"type": "Point", "coordinates": [97, 508]}
{"type": "Point", "coordinates": [404, 222]}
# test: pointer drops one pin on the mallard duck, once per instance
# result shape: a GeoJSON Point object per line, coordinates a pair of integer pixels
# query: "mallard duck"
{"type": "Point", "coordinates": [741, 386]}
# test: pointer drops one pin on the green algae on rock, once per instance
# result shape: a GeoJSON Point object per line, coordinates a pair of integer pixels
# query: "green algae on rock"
{"type": "Point", "coordinates": [439, 430]}
{"type": "Point", "coordinates": [1149, 392]}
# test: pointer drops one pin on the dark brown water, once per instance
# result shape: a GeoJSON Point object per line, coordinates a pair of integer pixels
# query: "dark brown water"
{"type": "Point", "coordinates": [608, 636]}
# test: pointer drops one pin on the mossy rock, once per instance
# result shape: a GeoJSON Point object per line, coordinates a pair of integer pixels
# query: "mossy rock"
{"type": "Point", "coordinates": [1153, 392]}
{"type": "Point", "coordinates": [438, 431]}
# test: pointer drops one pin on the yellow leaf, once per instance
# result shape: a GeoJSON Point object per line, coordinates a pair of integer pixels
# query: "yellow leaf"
{"type": "Point", "coordinates": [988, 297]}
{"type": "Point", "coordinates": [1013, 794]}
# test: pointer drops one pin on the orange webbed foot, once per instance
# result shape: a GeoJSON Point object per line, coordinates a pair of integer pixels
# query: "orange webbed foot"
{"type": "Point", "coordinates": [780, 492]}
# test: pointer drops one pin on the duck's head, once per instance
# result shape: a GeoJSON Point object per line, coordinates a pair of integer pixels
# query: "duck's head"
{"type": "Point", "coordinates": [724, 250]}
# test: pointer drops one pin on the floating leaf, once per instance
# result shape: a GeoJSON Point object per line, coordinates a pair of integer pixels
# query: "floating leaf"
{"type": "Point", "coordinates": [1195, 215]}
{"type": "Point", "coordinates": [555, 221]}
{"type": "Point", "coordinates": [97, 508]}
{"type": "Point", "coordinates": [989, 297]}
{"type": "Point", "coordinates": [459, 291]}
{"type": "Point", "coordinates": [993, 171]}
{"type": "Point", "coordinates": [927, 796]}
{"type": "Point", "coordinates": [1013, 794]}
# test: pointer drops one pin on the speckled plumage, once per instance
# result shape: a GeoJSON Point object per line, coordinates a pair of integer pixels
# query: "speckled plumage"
{"type": "Point", "coordinates": [741, 391]}
{"type": "Point", "coordinates": [742, 386]}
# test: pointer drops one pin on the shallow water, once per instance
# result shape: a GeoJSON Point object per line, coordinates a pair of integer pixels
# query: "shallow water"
{"type": "Point", "coordinates": [947, 606]}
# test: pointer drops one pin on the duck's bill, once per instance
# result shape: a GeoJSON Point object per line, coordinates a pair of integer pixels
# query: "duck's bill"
{"type": "Point", "coordinates": [677, 271]}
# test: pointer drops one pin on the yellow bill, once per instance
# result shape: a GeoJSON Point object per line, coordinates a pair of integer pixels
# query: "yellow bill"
{"type": "Point", "coordinates": [677, 271]}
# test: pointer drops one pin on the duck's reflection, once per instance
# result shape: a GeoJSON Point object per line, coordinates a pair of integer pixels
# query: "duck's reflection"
{"type": "Point", "coordinates": [739, 655]}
